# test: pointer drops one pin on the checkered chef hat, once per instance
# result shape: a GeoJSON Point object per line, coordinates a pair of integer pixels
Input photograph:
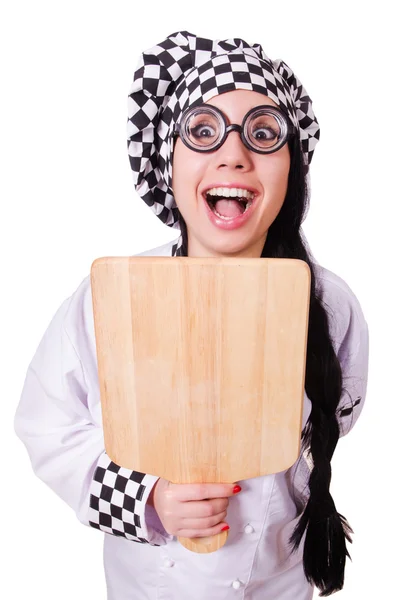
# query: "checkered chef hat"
{"type": "Point", "coordinates": [185, 70]}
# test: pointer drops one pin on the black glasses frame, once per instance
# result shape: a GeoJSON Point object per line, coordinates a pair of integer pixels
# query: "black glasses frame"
{"type": "Point", "coordinates": [286, 127]}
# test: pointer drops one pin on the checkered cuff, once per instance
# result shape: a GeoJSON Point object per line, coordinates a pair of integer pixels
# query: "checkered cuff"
{"type": "Point", "coordinates": [118, 501]}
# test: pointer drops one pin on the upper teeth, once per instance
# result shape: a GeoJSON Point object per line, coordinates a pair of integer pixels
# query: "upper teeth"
{"type": "Point", "coordinates": [231, 193]}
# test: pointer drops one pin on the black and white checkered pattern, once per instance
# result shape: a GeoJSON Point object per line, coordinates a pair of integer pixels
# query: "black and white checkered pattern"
{"type": "Point", "coordinates": [116, 504]}
{"type": "Point", "coordinates": [185, 70]}
{"type": "Point", "coordinates": [176, 249]}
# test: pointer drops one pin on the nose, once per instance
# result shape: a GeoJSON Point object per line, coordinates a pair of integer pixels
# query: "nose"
{"type": "Point", "coordinates": [233, 153]}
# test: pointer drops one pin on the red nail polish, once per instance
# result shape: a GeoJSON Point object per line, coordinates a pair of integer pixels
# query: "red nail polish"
{"type": "Point", "coordinates": [236, 489]}
{"type": "Point", "coordinates": [225, 528]}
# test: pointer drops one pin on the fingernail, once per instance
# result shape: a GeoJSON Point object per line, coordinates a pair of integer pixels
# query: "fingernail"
{"type": "Point", "coordinates": [236, 489]}
{"type": "Point", "coordinates": [225, 528]}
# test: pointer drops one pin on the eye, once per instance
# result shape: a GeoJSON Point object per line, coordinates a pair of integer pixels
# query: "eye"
{"type": "Point", "coordinates": [264, 132]}
{"type": "Point", "coordinates": [203, 130]}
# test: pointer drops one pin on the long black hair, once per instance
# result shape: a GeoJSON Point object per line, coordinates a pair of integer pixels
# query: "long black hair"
{"type": "Point", "coordinates": [324, 553]}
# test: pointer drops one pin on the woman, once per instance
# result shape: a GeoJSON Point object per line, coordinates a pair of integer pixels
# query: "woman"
{"type": "Point", "coordinates": [220, 142]}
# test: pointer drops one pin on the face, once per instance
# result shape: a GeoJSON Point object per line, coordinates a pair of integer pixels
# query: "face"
{"type": "Point", "coordinates": [233, 165]}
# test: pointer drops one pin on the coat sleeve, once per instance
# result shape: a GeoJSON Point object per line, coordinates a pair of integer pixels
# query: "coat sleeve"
{"type": "Point", "coordinates": [66, 445]}
{"type": "Point", "coordinates": [353, 354]}
{"type": "Point", "coordinates": [349, 332]}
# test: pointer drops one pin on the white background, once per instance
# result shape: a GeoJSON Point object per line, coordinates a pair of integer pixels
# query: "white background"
{"type": "Point", "coordinates": [67, 197]}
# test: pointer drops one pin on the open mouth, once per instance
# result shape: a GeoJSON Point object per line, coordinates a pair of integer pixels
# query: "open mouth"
{"type": "Point", "coordinates": [229, 203]}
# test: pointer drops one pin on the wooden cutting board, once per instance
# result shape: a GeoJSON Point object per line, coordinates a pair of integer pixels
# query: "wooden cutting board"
{"type": "Point", "coordinates": [201, 365]}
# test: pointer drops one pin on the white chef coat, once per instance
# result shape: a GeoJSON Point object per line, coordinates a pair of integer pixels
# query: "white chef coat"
{"type": "Point", "coordinates": [60, 422]}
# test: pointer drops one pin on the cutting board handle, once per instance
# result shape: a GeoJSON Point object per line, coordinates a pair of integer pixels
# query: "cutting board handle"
{"type": "Point", "coordinates": [204, 545]}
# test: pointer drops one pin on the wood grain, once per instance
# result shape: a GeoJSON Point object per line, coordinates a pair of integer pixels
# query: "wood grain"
{"type": "Point", "coordinates": [201, 365]}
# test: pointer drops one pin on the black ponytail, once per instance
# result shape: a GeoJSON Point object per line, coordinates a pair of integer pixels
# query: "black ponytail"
{"type": "Point", "coordinates": [324, 553]}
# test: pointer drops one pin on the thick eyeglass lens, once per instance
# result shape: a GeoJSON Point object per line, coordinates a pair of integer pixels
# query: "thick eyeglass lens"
{"type": "Point", "coordinates": [204, 128]}
{"type": "Point", "coordinates": [263, 131]}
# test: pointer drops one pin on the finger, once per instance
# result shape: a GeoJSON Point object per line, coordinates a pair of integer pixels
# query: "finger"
{"type": "Point", "coordinates": [202, 491]}
{"type": "Point", "coordinates": [201, 524]}
{"type": "Point", "coordinates": [195, 533]}
{"type": "Point", "coordinates": [202, 508]}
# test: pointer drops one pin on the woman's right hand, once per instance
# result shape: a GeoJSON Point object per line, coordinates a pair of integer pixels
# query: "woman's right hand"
{"type": "Point", "coordinates": [192, 510]}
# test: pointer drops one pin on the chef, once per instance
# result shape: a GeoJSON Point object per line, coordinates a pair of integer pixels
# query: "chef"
{"type": "Point", "coordinates": [220, 140]}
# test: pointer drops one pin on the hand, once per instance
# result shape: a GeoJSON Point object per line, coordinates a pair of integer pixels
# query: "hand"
{"type": "Point", "coordinates": [191, 510]}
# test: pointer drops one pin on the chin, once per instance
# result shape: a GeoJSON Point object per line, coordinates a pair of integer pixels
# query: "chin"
{"type": "Point", "coordinates": [233, 249]}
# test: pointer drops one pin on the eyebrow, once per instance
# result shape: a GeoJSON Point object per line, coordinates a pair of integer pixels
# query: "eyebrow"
{"type": "Point", "coordinates": [228, 120]}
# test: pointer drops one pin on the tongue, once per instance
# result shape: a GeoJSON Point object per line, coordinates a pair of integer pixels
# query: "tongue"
{"type": "Point", "coordinates": [229, 208]}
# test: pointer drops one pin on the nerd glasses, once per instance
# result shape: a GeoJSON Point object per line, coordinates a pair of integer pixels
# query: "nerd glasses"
{"type": "Point", "coordinates": [265, 129]}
